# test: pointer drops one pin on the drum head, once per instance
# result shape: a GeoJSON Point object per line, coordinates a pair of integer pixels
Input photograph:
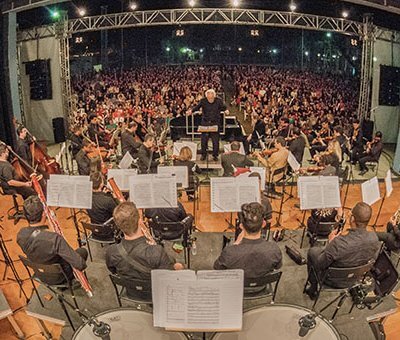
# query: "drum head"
{"type": "Point", "coordinates": [128, 323]}
{"type": "Point", "coordinates": [279, 322]}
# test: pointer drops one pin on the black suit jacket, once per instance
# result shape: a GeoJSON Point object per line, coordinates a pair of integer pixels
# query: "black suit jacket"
{"type": "Point", "coordinates": [237, 160]}
{"type": "Point", "coordinates": [128, 144]}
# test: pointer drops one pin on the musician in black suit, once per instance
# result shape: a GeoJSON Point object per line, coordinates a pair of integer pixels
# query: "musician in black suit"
{"type": "Point", "coordinates": [128, 142]}
{"type": "Point", "coordinates": [147, 157]}
{"type": "Point", "coordinates": [22, 148]}
{"type": "Point", "coordinates": [356, 141]}
{"type": "Point", "coordinates": [297, 145]}
{"type": "Point", "coordinates": [372, 153]}
{"type": "Point", "coordinates": [391, 237]}
{"type": "Point", "coordinates": [212, 107]}
{"type": "Point", "coordinates": [76, 140]}
{"type": "Point", "coordinates": [234, 159]}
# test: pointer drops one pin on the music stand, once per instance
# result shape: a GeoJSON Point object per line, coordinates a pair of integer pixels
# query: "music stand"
{"type": "Point", "coordinates": [375, 225]}
{"type": "Point", "coordinates": [350, 178]}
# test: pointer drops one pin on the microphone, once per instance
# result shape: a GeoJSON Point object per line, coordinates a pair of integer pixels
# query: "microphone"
{"type": "Point", "coordinates": [306, 323]}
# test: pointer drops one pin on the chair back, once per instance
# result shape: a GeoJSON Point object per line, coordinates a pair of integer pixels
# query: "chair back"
{"type": "Point", "coordinates": [135, 287]}
{"type": "Point", "coordinates": [278, 172]}
{"type": "Point", "coordinates": [46, 273]}
{"type": "Point", "coordinates": [251, 285]}
{"type": "Point", "coordinates": [98, 231]}
{"type": "Point", "coordinates": [171, 230]}
{"type": "Point", "coordinates": [324, 228]}
{"type": "Point", "coordinates": [352, 274]}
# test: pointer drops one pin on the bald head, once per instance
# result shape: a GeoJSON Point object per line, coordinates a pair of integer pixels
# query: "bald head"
{"type": "Point", "coordinates": [361, 213]}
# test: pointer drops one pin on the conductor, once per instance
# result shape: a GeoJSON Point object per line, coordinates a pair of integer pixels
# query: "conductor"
{"type": "Point", "coordinates": [212, 107]}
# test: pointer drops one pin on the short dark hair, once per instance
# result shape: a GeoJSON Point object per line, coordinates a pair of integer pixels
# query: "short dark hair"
{"type": "Point", "coordinates": [338, 129]}
{"type": "Point", "coordinates": [378, 134]}
{"type": "Point", "coordinates": [3, 149]}
{"type": "Point", "coordinates": [362, 213]}
{"type": "Point", "coordinates": [19, 129]}
{"type": "Point", "coordinates": [356, 121]}
{"type": "Point", "coordinates": [281, 141]}
{"type": "Point", "coordinates": [33, 209]}
{"type": "Point", "coordinates": [97, 180]}
{"type": "Point", "coordinates": [252, 217]}
{"type": "Point", "coordinates": [296, 131]}
{"type": "Point", "coordinates": [235, 146]}
{"type": "Point", "coordinates": [255, 174]}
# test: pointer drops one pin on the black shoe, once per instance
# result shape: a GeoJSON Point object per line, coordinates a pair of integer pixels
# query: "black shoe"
{"type": "Point", "coordinates": [311, 293]}
{"type": "Point", "coordinates": [215, 158]}
{"type": "Point", "coordinates": [203, 158]}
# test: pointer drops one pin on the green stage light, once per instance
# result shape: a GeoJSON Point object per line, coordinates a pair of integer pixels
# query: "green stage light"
{"type": "Point", "coordinates": [55, 14]}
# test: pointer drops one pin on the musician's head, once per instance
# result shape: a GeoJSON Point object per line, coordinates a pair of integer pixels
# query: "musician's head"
{"type": "Point", "coordinates": [210, 95]}
{"type": "Point", "coordinates": [86, 145]}
{"type": "Point", "coordinates": [22, 132]}
{"type": "Point", "coordinates": [33, 210]}
{"type": "Point", "coordinates": [132, 126]}
{"type": "Point", "coordinates": [126, 218]}
{"type": "Point", "coordinates": [251, 217]}
{"type": "Point", "coordinates": [185, 154]}
{"type": "Point", "coordinates": [325, 124]}
{"type": "Point", "coordinates": [4, 153]}
{"type": "Point", "coordinates": [338, 130]}
{"type": "Point", "coordinates": [93, 119]}
{"type": "Point", "coordinates": [149, 140]}
{"type": "Point", "coordinates": [360, 215]}
{"type": "Point", "coordinates": [280, 142]}
{"type": "Point", "coordinates": [296, 132]}
{"type": "Point", "coordinates": [356, 123]}
{"type": "Point", "coordinates": [378, 135]}
{"type": "Point", "coordinates": [235, 146]}
{"type": "Point", "coordinates": [284, 121]}
{"type": "Point", "coordinates": [76, 129]}
{"type": "Point", "coordinates": [97, 181]}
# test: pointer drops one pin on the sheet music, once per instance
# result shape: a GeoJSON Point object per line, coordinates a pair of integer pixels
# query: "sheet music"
{"type": "Point", "coordinates": [388, 183]}
{"type": "Point", "coordinates": [262, 171]}
{"type": "Point", "coordinates": [208, 301]}
{"type": "Point", "coordinates": [153, 191]}
{"type": "Point", "coordinates": [69, 192]}
{"type": "Point", "coordinates": [318, 192]}
{"type": "Point", "coordinates": [180, 172]}
{"type": "Point", "coordinates": [229, 193]}
{"type": "Point", "coordinates": [370, 191]}
{"type": "Point", "coordinates": [227, 148]}
{"type": "Point", "coordinates": [121, 177]}
{"type": "Point", "coordinates": [179, 145]}
{"type": "Point", "coordinates": [126, 161]}
{"type": "Point", "coordinates": [294, 164]}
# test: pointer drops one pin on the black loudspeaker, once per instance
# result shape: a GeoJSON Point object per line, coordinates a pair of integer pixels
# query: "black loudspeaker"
{"type": "Point", "coordinates": [59, 130]}
{"type": "Point", "coordinates": [389, 86]}
{"type": "Point", "coordinates": [39, 79]}
{"type": "Point", "coordinates": [368, 129]}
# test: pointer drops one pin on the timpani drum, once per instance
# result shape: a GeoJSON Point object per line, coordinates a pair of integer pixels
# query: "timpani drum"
{"type": "Point", "coordinates": [128, 323]}
{"type": "Point", "coordinates": [279, 322]}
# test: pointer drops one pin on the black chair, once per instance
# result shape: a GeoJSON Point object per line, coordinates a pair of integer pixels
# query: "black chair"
{"type": "Point", "coordinates": [321, 232]}
{"type": "Point", "coordinates": [99, 233]}
{"type": "Point", "coordinates": [261, 287]}
{"type": "Point", "coordinates": [355, 276]}
{"type": "Point", "coordinates": [139, 290]}
{"type": "Point", "coordinates": [173, 231]}
{"type": "Point", "coordinates": [15, 213]}
{"type": "Point", "coordinates": [271, 192]}
{"type": "Point", "coordinates": [44, 273]}
{"type": "Point", "coordinates": [374, 166]}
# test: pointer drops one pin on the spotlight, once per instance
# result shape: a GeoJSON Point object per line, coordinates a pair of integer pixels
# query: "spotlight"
{"type": "Point", "coordinates": [201, 50]}
{"type": "Point", "coordinates": [258, 51]}
{"type": "Point", "coordinates": [240, 49]}
{"type": "Point", "coordinates": [328, 34]}
{"type": "Point", "coordinates": [192, 3]}
{"type": "Point", "coordinates": [81, 12]}
{"type": "Point", "coordinates": [255, 33]}
{"type": "Point", "coordinates": [274, 51]}
{"type": "Point", "coordinates": [55, 14]}
{"type": "Point", "coordinates": [292, 7]}
{"type": "Point", "coordinates": [180, 33]}
{"type": "Point", "coordinates": [168, 49]}
{"type": "Point", "coordinates": [306, 53]}
{"type": "Point", "coordinates": [375, 59]}
{"type": "Point", "coordinates": [235, 3]}
{"type": "Point", "coordinates": [345, 14]}
{"type": "Point", "coordinates": [133, 6]}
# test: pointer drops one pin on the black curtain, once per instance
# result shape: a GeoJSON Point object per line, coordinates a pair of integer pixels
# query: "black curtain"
{"type": "Point", "coordinates": [6, 126]}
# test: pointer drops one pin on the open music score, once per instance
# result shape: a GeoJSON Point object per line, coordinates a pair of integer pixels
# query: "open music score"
{"type": "Point", "coordinates": [69, 191]}
{"type": "Point", "coordinates": [370, 191]}
{"type": "Point", "coordinates": [319, 192]}
{"type": "Point", "coordinates": [388, 183]}
{"type": "Point", "coordinates": [121, 177]}
{"type": "Point", "coordinates": [205, 128]}
{"type": "Point", "coordinates": [206, 301]}
{"type": "Point", "coordinates": [126, 161]}
{"type": "Point", "coordinates": [181, 174]}
{"type": "Point", "coordinates": [229, 193]}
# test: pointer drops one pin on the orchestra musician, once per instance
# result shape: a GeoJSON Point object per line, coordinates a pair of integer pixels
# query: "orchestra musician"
{"type": "Point", "coordinates": [22, 148]}
{"type": "Point", "coordinates": [250, 252]}
{"type": "Point", "coordinates": [212, 107]}
{"type": "Point", "coordinates": [297, 145]}
{"type": "Point", "coordinates": [47, 247]}
{"type": "Point", "coordinates": [128, 141]}
{"type": "Point", "coordinates": [391, 237]}
{"type": "Point", "coordinates": [356, 141]}
{"type": "Point", "coordinates": [284, 128]}
{"type": "Point", "coordinates": [258, 130]}
{"type": "Point", "coordinates": [141, 130]}
{"type": "Point", "coordinates": [82, 159]}
{"type": "Point", "coordinates": [147, 157]}
{"type": "Point", "coordinates": [103, 205]}
{"type": "Point", "coordinates": [95, 132]}
{"type": "Point", "coordinates": [8, 176]}
{"type": "Point", "coordinates": [234, 159]}
{"type": "Point", "coordinates": [319, 143]}
{"type": "Point", "coordinates": [371, 154]}
{"type": "Point", "coordinates": [356, 248]}
{"type": "Point", "coordinates": [342, 140]}
{"type": "Point", "coordinates": [76, 140]}
{"type": "Point", "coordinates": [134, 258]}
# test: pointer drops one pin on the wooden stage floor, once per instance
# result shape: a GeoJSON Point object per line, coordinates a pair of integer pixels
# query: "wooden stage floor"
{"type": "Point", "coordinates": [206, 222]}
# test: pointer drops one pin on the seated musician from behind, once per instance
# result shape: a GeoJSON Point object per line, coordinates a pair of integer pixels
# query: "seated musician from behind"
{"type": "Point", "coordinates": [8, 177]}
{"type": "Point", "coordinates": [297, 145]}
{"type": "Point", "coordinates": [392, 236]}
{"type": "Point", "coordinates": [42, 246]}
{"type": "Point", "coordinates": [134, 258]}
{"type": "Point", "coordinates": [250, 252]}
{"type": "Point", "coordinates": [147, 162]}
{"type": "Point", "coordinates": [22, 148]}
{"type": "Point", "coordinates": [85, 165]}
{"type": "Point", "coordinates": [234, 159]}
{"type": "Point", "coordinates": [128, 142]}
{"type": "Point", "coordinates": [103, 205]}
{"type": "Point", "coordinates": [321, 216]}
{"type": "Point", "coordinates": [356, 248]}
{"type": "Point", "coordinates": [184, 159]}
{"type": "Point", "coordinates": [372, 153]}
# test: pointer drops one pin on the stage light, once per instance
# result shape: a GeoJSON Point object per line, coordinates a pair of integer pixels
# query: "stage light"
{"type": "Point", "coordinates": [235, 3]}
{"type": "Point", "coordinates": [354, 58]}
{"type": "Point", "coordinates": [201, 50]}
{"type": "Point", "coordinates": [306, 53]}
{"type": "Point", "coordinates": [334, 56]}
{"type": "Point", "coordinates": [133, 6]}
{"type": "Point", "coordinates": [345, 14]}
{"type": "Point", "coordinates": [55, 14]}
{"type": "Point", "coordinates": [180, 33]}
{"type": "Point", "coordinates": [192, 3]}
{"type": "Point", "coordinates": [258, 51]}
{"type": "Point", "coordinates": [82, 12]}
{"type": "Point", "coordinates": [78, 40]}
{"type": "Point", "coordinates": [375, 59]}
{"type": "Point", "coordinates": [240, 49]}
{"type": "Point", "coordinates": [292, 7]}
{"type": "Point", "coordinates": [328, 34]}
{"type": "Point", "coordinates": [168, 49]}
{"type": "Point", "coordinates": [318, 55]}
{"type": "Point", "coordinates": [274, 51]}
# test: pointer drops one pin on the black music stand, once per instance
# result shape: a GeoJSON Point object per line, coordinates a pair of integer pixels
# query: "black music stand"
{"type": "Point", "coordinates": [349, 179]}
{"type": "Point", "coordinates": [375, 225]}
